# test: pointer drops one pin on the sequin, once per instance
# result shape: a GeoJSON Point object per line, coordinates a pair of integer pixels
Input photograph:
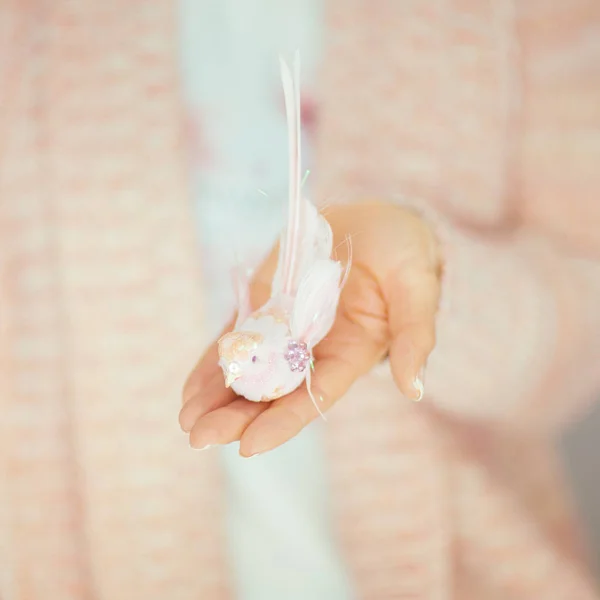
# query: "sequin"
{"type": "Point", "coordinates": [277, 393]}
{"type": "Point", "coordinates": [237, 345]}
{"type": "Point", "coordinates": [277, 314]}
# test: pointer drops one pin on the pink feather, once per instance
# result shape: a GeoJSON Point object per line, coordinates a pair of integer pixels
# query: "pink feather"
{"type": "Point", "coordinates": [307, 237]}
{"type": "Point", "coordinates": [308, 273]}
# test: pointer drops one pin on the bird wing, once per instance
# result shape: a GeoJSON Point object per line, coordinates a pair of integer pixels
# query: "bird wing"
{"type": "Point", "coordinates": [316, 301]}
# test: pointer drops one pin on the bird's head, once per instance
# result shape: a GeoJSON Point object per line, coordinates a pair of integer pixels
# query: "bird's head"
{"type": "Point", "coordinates": [240, 354]}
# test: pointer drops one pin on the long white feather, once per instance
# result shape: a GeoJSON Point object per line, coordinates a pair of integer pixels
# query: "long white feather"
{"type": "Point", "coordinates": [291, 91]}
{"type": "Point", "coordinates": [307, 237]}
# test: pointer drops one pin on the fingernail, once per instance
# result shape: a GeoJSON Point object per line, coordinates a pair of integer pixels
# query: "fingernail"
{"type": "Point", "coordinates": [251, 456]}
{"type": "Point", "coordinates": [203, 447]}
{"type": "Point", "coordinates": [419, 386]}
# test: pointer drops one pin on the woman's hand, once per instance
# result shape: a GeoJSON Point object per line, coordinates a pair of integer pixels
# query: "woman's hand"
{"type": "Point", "coordinates": [387, 307]}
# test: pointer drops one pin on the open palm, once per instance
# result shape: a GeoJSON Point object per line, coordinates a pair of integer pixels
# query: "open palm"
{"type": "Point", "coordinates": [387, 307]}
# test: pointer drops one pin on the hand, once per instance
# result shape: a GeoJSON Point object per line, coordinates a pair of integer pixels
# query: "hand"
{"type": "Point", "coordinates": [387, 307]}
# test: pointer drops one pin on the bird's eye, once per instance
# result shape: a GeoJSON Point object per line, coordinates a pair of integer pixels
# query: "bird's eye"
{"type": "Point", "coordinates": [233, 367]}
{"type": "Point", "coordinates": [254, 359]}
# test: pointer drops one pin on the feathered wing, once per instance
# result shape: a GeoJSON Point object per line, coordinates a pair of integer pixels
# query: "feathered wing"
{"type": "Point", "coordinates": [315, 242]}
{"type": "Point", "coordinates": [307, 237]}
{"type": "Point", "coordinates": [316, 302]}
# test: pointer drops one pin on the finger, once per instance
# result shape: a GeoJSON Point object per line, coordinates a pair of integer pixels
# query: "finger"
{"type": "Point", "coordinates": [226, 424]}
{"type": "Point", "coordinates": [414, 298]}
{"type": "Point", "coordinates": [211, 397]}
{"type": "Point", "coordinates": [287, 416]}
{"type": "Point", "coordinates": [205, 370]}
{"type": "Point", "coordinates": [205, 388]}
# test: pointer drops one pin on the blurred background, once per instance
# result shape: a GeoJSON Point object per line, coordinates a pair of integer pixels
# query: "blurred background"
{"type": "Point", "coordinates": [143, 155]}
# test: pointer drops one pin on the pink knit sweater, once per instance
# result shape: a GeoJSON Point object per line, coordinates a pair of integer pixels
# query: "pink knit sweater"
{"type": "Point", "coordinates": [489, 113]}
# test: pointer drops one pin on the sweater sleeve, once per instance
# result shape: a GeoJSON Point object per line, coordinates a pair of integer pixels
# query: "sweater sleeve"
{"type": "Point", "coordinates": [518, 332]}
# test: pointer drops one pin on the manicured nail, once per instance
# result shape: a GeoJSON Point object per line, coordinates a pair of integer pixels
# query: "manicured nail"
{"type": "Point", "coordinates": [419, 386]}
{"type": "Point", "coordinates": [203, 447]}
{"type": "Point", "coordinates": [251, 456]}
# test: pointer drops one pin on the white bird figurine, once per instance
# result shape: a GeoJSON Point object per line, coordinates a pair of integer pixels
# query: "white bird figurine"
{"type": "Point", "coordinates": [269, 353]}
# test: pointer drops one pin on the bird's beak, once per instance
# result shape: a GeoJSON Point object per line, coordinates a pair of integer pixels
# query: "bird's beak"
{"type": "Point", "coordinates": [229, 379]}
